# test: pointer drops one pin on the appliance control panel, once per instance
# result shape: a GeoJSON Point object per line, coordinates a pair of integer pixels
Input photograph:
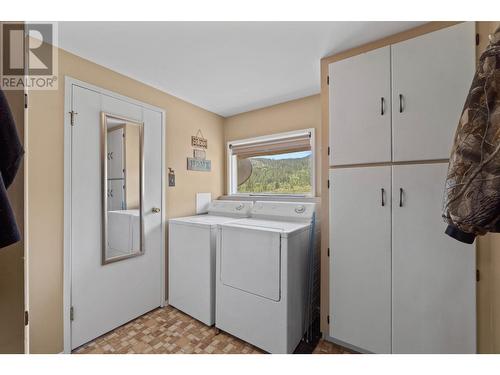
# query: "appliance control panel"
{"type": "Point", "coordinates": [230, 208]}
{"type": "Point", "coordinates": [284, 210]}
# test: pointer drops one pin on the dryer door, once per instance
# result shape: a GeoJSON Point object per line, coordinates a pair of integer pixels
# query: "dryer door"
{"type": "Point", "coordinates": [251, 261]}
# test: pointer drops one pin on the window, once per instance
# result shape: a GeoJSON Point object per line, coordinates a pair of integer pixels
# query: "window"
{"type": "Point", "coordinates": [280, 164]}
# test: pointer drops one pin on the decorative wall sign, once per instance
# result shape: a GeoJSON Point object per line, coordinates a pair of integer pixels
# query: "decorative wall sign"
{"type": "Point", "coordinates": [199, 154]}
{"type": "Point", "coordinates": [200, 165]}
{"type": "Point", "coordinates": [198, 162]}
{"type": "Point", "coordinates": [198, 140]}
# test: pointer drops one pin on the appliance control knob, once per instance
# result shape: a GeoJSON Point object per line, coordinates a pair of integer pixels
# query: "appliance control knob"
{"type": "Point", "coordinates": [239, 207]}
{"type": "Point", "coordinates": [300, 209]}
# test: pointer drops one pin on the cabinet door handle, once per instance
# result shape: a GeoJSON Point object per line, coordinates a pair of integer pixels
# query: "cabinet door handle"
{"type": "Point", "coordinates": [400, 197]}
{"type": "Point", "coordinates": [382, 193]}
{"type": "Point", "coordinates": [400, 103]}
{"type": "Point", "coordinates": [382, 106]}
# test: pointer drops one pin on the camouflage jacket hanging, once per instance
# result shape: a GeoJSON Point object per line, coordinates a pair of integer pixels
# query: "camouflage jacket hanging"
{"type": "Point", "coordinates": [472, 192]}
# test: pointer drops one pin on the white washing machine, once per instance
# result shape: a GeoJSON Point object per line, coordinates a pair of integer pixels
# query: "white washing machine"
{"type": "Point", "coordinates": [191, 258]}
{"type": "Point", "coordinates": [262, 275]}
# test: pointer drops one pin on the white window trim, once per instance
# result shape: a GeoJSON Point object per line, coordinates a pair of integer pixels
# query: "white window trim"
{"type": "Point", "coordinates": [232, 185]}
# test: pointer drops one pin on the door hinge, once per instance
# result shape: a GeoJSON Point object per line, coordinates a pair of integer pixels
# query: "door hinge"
{"type": "Point", "coordinates": [72, 117]}
{"type": "Point", "coordinates": [477, 39]}
{"type": "Point", "coordinates": [25, 100]}
{"type": "Point", "coordinates": [328, 319]}
{"type": "Point", "coordinates": [478, 275]}
{"type": "Point", "coordinates": [328, 150]}
{"type": "Point", "coordinates": [26, 318]}
{"type": "Point", "coordinates": [71, 313]}
{"type": "Point", "coordinates": [328, 252]}
{"type": "Point", "coordinates": [328, 80]}
{"type": "Point", "coordinates": [328, 183]}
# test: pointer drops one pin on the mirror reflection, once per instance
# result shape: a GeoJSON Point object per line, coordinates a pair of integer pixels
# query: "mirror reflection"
{"type": "Point", "coordinates": [122, 192]}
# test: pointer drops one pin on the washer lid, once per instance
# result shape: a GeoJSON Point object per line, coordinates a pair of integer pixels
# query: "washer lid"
{"type": "Point", "coordinates": [285, 228]}
{"type": "Point", "coordinates": [202, 220]}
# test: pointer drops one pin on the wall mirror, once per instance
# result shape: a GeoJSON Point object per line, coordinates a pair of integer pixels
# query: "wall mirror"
{"type": "Point", "coordinates": [122, 188]}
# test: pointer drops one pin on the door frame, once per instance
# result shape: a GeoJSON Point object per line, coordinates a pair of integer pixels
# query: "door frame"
{"type": "Point", "coordinates": [67, 275]}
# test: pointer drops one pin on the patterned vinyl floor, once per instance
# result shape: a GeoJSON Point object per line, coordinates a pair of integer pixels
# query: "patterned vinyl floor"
{"type": "Point", "coordinates": [168, 330]}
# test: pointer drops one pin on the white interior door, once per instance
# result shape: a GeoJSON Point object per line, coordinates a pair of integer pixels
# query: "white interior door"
{"type": "Point", "coordinates": [106, 296]}
{"type": "Point", "coordinates": [433, 275]}
{"type": "Point", "coordinates": [360, 112]}
{"type": "Point", "coordinates": [360, 257]}
{"type": "Point", "coordinates": [431, 76]}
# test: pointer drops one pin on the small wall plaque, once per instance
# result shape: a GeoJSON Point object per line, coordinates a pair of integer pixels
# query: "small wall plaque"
{"type": "Point", "coordinates": [199, 154]}
{"type": "Point", "coordinates": [200, 165]}
{"type": "Point", "coordinates": [198, 140]}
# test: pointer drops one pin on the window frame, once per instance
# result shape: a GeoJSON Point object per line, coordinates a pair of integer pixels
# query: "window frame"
{"type": "Point", "coordinates": [232, 174]}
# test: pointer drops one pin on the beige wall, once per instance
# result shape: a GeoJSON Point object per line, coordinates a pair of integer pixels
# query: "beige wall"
{"type": "Point", "coordinates": [45, 186]}
{"type": "Point", "coordinates": [11, 257]}
{"type": "Point", "coordinates": [297, 114]}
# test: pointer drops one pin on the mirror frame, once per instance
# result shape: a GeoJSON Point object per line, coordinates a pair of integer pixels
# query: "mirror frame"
{"type": "Point", "coordinates": [104, 186]}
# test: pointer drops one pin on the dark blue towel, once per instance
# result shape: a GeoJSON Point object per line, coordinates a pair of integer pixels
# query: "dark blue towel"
{"type": "Point", "coordinates": [11, 153]}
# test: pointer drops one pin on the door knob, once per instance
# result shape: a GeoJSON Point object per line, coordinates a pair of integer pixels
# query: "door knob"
{"type": "Point", "coordinates": [155, 210]}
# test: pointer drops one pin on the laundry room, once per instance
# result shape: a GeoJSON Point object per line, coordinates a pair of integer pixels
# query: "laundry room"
{"type": "Point", "coordinates": [249, 187]}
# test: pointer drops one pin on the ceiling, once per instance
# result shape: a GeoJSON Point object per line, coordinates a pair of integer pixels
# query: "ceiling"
{"type": "Point", "coordinates": [224, 67]}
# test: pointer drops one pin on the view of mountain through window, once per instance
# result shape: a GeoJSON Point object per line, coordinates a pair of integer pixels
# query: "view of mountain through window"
{"type": "Point", "coordinates": [288, 173]}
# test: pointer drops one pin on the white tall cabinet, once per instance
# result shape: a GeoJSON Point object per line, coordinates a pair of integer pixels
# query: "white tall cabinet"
{"type": "Point", "coordinates": [116, 169]}
{"type": "Point", "coordinates": [431, 76]}
{"type": "Point", "coordinates": [360, 257]}
{"type": "Point", "coordinates": [398, 284]}
{"type": "Point", "coordinates": [360, 109]}
{"type": "Point", "coordinates": [433, 275]}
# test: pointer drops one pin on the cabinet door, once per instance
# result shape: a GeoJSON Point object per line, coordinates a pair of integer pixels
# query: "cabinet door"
{"type": "Point", "coordinates": [115, 154]}
{"type": "Point", "coordinates": [360, 118]}
{"type": "Point", "coordinates": [116, 195]}
{"type": "Point", "coordinates": [360, 257]}
{"type": "Point", "coordinates": [431, 77]}
{"type": "Point", "coordinates": [433, 275]}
